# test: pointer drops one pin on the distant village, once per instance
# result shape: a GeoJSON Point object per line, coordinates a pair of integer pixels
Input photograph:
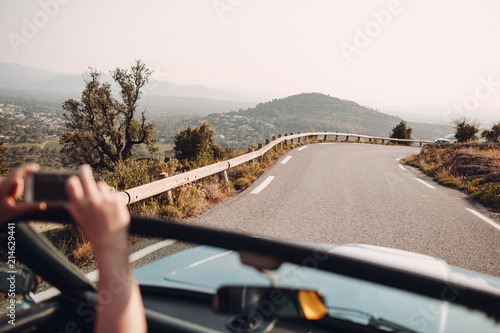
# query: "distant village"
{"type": "Point", "coordinates": [20, 126]}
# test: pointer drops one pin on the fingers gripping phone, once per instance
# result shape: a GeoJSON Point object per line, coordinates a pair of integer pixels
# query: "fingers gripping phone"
{"type": "Point", "coordinates": [49, 187]}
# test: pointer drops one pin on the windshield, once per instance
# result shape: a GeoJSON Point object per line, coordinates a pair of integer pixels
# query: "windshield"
{"type": "Point", "coordinates": [206, 269]}
{"type": "Point", "coordinates": [312, 122]}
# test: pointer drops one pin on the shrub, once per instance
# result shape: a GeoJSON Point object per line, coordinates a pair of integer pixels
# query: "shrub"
{"type": "Point", "coordinates": [492, 135]}
{"type": "Point", "coordinates": [83, 254]}
{"type": "Point", "coordinates": [133, 173]}
{"type": "Point", "coordinates": [242, 183]}
{"type": "Point", "coordinates": [443, 176]}
{"type": "Point", "coordinates": [401, 131]}
{"type": "Point", "coordinates": [412, 160]}
{"type": "Point", "coordinates": [214, 193]}
{"type": "Point", "coordinates": [196, 147]}
{"type": "Point", "coordinates": [190, 199]}
{"type": "Point", "coordinates": [488, 194]}
{"type": "Point", "coordinates": [172, 212]}
{"type": "Point", "coordinates": [466, 130]}
{"type": "Point", "coordinates": [430, 168]}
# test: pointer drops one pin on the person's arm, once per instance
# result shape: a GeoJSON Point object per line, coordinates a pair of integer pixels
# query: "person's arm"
{"type": "Point", "coordinates": [11, 190]}
{"type": "Point", "coordinates": [105, 222]}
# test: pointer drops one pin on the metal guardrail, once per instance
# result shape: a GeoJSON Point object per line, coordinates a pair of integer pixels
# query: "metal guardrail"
{"type": "Point", "coordinates": [148, 190]}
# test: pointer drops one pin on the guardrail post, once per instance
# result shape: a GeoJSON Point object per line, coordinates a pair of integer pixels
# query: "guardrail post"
{"type": "Point", "coordinates": [281, 143]}
{"type": "Point", "coordinates": [170, 197]}
{"type": "Point", "coordinates": [250, 149]}
{"type": "Point", "coordinates": [259, 146]}
{"type": "Point", "coordinates": [336, 138]}
{"type": "Point", "coordinates": [325, 138]}
{"type": "Point", "coordinates": [347, 138]}
{"type": "Point", "coordinates": [267, 142]}
{"type": "Point", "coordinates": [359, 138]}
{"type": "Point", "coordinates": [291, 140]}
{"type": "Point", "coordinates": [383, 141]}
{"type": "Point", "coordinates": [225, 178]}
{"type": "Point", "coordinates": [298, 139]}
{"type": "Point", "coordinates": [370, 140]}
{"type": "Point", "coordinates": [420, 143]}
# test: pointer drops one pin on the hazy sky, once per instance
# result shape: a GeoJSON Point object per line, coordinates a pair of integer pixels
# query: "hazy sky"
{"type": "Point", "coordinates": [377, 53]}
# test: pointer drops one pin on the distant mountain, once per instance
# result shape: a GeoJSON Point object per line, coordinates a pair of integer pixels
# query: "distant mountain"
{"type": "Point", "coordinates": [312, 111]}
{"type": "Point", "coordinates": [14, 76]}
{"type": "Point", "coordinates": [443, 114]}
{"type": "Point", "coordinates": [63, 83]}
{"type": "Point", "coordinates": [160, 106]}
{"type": "Point", "coordinates": [163, 88]}
{"type": "Point", "coordinates": [18, 76]}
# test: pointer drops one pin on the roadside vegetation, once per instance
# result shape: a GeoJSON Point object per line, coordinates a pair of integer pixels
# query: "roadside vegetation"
{"type": "Point", "coordinates": [184, 202]}
{"type": "Point", "coordinates": [470, 166]}
{"type": "Point", "coordinates": [109, 134]}
{"type": "Point", "coordinates": [402, 131]}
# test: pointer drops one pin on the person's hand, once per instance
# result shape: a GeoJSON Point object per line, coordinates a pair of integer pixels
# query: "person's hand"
{"type": "Point", "coordinates": [12, 189]}
{"type": "Point", "coordinates": [96, 209]}
{"type": "Point", "coordinates": [104, 220]}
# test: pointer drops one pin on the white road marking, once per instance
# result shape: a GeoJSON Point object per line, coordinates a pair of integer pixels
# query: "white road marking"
{"type": "Point", "coordinates": [93, 276]}
{"type": "Point", "coordinates": [46, 294]}
{"type": "Point", "coordinates": [484, 218]}
{"type": "Point", "coordinates": [420, 180]}
{"type": "Point", "coordinates": [402, 167]}
{"type": "Point", "coordinates": [150, 249]}
{"type": "Point", "coordinates": [286, 159]}
{"type": "Point", "coordinates": [210, 258]}
{"type": "Point", "coordinates": [263, 185]}
{"type": "Point", "coordinates": [302, 148]}
{"type": "Point", "coordinates": [398, 159]}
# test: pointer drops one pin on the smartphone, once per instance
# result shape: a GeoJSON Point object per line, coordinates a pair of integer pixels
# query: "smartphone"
{"type": "Point", "coordinates": [49, 187]}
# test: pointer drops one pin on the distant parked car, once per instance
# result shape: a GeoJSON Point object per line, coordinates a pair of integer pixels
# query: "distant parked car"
{"type": "Point", "coordinates": [450, 138]}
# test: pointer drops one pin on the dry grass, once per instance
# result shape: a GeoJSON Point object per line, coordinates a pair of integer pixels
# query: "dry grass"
{"type": "Point", "coordinates": [444, 176]}
{"type": "Point", "coordinates": [187, 201]}
{"type": "Point", "coordinates": [216, 192]}
{"type": "Point", "coordinates": [83, 254]}
{"type": "Point", "coordinates": [431, 163]}
{"type": "Point", "coordinates": [494, 154]}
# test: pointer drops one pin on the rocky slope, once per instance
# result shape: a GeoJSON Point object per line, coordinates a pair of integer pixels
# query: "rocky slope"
{"type": "Point", "coordinates": [472, 167]}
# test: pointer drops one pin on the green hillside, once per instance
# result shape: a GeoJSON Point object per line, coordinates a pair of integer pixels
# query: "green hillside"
{"type": "Point", "coordinates": [310, 111]}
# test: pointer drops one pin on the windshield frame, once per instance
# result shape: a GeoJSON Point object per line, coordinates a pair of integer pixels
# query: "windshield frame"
{"type": "Point", "coordinates": [302, 255]}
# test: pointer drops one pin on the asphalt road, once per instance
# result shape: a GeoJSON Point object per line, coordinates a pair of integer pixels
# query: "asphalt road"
{"type": "Point", "coordinates": [359, 193]}
{"type": "Point", "coordinates": [341, 193]}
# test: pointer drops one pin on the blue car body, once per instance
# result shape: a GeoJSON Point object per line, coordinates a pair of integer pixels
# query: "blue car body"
{"type": "Point", "coordinates": [205, 269]}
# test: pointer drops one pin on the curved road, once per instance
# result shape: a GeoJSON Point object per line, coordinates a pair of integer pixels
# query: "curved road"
{"type": "Point", "coordinates": [342, 193]}
{"type": "Point", "coordinates": [359, 193]}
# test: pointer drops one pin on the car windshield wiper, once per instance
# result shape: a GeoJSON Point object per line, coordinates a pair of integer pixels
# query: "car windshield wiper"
{"type": "Point", "coordinates": [369, 319]}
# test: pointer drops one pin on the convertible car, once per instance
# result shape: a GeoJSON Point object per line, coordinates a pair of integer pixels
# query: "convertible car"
{"type": "Point", "coordinates": [217, 281]}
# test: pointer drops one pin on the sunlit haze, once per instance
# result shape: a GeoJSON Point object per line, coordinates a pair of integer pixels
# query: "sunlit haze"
{"type": "Point", "coordinates": [429, 59]}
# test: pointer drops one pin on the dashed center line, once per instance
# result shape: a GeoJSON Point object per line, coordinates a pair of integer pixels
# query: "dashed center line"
{"type": "Point", "coordinates": [263, 185]}
{"type": "Point", "coordinates": [286, 159]}
{"type": "Point", "coordinates": [430, 186]}
{"type": "Point", "coordinates": [94, 275]}
{"type": "Point", "coordinates": [484, 218]}
{"type": "Point", "coordinates": [302, 148]}
{"type": "Point", "coordinates": [150, 249]}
